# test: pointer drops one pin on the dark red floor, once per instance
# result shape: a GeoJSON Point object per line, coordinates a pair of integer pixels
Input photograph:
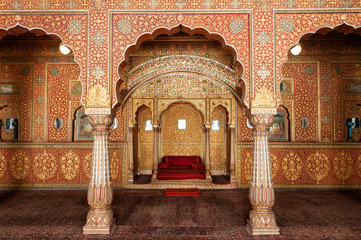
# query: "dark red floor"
{"type": "Point", "coordinates": [148, 214]}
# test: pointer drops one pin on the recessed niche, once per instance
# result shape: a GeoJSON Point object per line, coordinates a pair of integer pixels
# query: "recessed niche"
{"type": "Point", "coordinates": [58, 123]}
{"type": "Point", "coordinates": [215, 125]}
{"type": "Point", "coordinates": [148, 125]}
{"type": "Point", "coordinates": [114, 124]}
{"type": "Point", "coordinates": [182, 124]}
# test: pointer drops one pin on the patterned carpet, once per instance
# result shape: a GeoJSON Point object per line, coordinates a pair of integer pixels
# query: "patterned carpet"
{"type": "Point", "coordinates": [148, 214]}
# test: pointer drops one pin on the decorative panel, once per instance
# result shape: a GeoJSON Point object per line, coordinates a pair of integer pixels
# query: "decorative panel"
{"type": "Point", "coordinates": [177, 142]}
{"type": "Point", "coordinates": [146, 140]}
{"type": "Point", "coordinates": [307, 165]}
{"type": "Point", "coordinates": [217, 141]}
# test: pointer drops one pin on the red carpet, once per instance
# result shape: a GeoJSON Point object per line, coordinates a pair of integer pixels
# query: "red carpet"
{"type": "Point", "coordinates": [182, 192]}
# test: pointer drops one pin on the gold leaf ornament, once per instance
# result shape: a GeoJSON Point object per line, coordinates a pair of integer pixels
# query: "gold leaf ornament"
{"type": "Point", "coordinates": [19, 165]}
{"type": "Point", "coordinates": [98, 97]}
{"type": "Point", "coordinates": [69, 164]}
{"type": "Point", "coordinates": [44, 165]}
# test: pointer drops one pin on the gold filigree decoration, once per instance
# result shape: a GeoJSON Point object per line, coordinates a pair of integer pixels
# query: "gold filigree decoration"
{"type": "Point", "coordinates": [98, 97]}
{"type": "Point", "coordinates": [275, 165]}
{"type": "Point", "coordinates": [87, 164]}
{"type": "Point", "coordinates": [19, 165]}
{"type": "Point", "coordinates": [358, 165]}
{"type": "Point", "coordinates": [342, 166]}
{"type": "Point", "coordinates": [264, 98]}
{"type": "Point", "coordinates": [292, 166]}
{"type": "Point", "coordinates": [318, 166]}
{"type": "Point", "coordinates": [2, 165]}
{"type": "Point", "coordinates": [248, 166]}
{"type": "Point", "coordinates": [45, 165]}
{"type": "Point", "coordinates": [69, 164]}
{"type": "Point", "coordinates": [114, 166]}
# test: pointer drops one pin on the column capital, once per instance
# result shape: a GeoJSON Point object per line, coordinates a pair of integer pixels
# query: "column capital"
{"type": "Point", "coordinates": [100, 121]}
{"type": "Point", "coordinates": [261, 121]}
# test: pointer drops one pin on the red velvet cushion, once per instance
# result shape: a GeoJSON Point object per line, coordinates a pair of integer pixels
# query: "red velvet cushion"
{"type": "Point", "coordinates": [167, 174]}
{"type": "Point", "coordinates": [197, 165]}
{"type": "Point", "coordinates": [163, 165]}
{"type": "Point", "coordinates": [186, 161]}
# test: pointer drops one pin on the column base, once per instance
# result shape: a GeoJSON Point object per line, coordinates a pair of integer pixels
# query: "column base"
{"type": "Point", "coordinates": [154, 176]}
{"type": "Point", "coordinates": [208, 175]}
{"type": "Point", "coordinates": [99, 222]}
{"type": "Point", "coordinates": [262, 223]}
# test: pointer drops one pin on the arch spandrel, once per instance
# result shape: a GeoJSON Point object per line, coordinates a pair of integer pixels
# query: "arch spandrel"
{"type": "Point", "coordinates": [70, 28]}
{"type": "Point", "coordinates": [289, 28]}
{"type": "Point", "coordinates": [233, 26]}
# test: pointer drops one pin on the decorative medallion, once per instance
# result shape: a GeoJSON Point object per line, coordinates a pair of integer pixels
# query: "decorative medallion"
{"type": "Point", "coordinates": [16, 4]}
{"type": "Point", "coordinates": [114, 166]}
{"type": "Point", "coordinates": [45, 165]}
{"type": "Point", "coordinates": [39, 79]}
{"type": "Point", "coordinates": [98, 3]}
{"type": "Point", "coordinates": [70, 4]}
{"type": "Point", "coordinates": [318, 166]}
{"type": "Point", "coordinates": [2, 165]}
{"type": "Point", "coordinates": [98, 38]}
{"type": "Point", "coordinates": [309, 70]}
{"type": "Point", "coordinates": [39, 120]}
{"type": "Point", "coordinates": [358, 165]}
{"type": "Point", "coordinates": [291, 3]}
{"type": "Point", "coordinates": [124, 26]}
{"type": "Point", "coordinates": [208, 4]}
{"type": "Point", "coordinates": [180, 4]}
{"type": "Point", "coordinates": [326, 98]}
{"type": "Point", "coordinates": [98, 72]}
{"type": "Point", "coordinates": [263, 72]}
{"type": "Point", "coordinates": [26, 71]}
{"type": "Point", "coordinates": [126, 4]}
{"type": "Point", "coordinates": [54, 71]}
{"type": "Point", "coordinates": [236, 26]}
{"type": "Point", "coordinates": [325, 77]}
{"type": "Point", "coordinates": [153, 4]}
{"type": "Point", "coordinates": [342, 166]}
{"type": "Point", "coordinates": [39, 99]}
{"type": "Point", "coordinates": [248, 167]}
{"type": "Point", "coordinates": [74, 26]}
{"type": "Point", "coordinates": [263, 3]}
{"type": "Point", "coordinates": [76, 89]}
{"type": "Point", "coordinates": [263, 37]}
{"type": "Point", "coordinates": [292, 166]}
{"type": "Point", "coordinates": [69, 165]}
{"type": "Point", "coordinates": [197, 47]}
{"type": "Point", "coordinates": [326, 120]}
{"type": "Point", "coordinates": [87, 164]}
{"type": "Point", "coordinates": [347, 3]}
{"type": "Point", "coordinates": [338, 69]}
{"type": "Point", "coordinates": [43, 4]}
{"type": "Point", "coordinates": [236, 3]}
{"type": "Point", "coordinates": [19, 165]}
{"type": "Point", "coordinates": [275, 165]}
{"type": "Point", "coordinates": [287, 25]}
{"type": "Point", "coordinates": [318, 3]}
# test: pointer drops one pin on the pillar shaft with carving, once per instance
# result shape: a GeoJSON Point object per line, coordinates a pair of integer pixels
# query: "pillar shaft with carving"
{"type": "Point", "coordinates": [131, 154]}
{"type": "Point", "coordinates": [208, 149]}
{"type": "Point", "coordinates": [261, 220]}
{"type": "Point", "coordinates": [232, 161]}
{"type": "Point", "coordinates": [155, 152]}
{"type": "Point", "coordinates": [100, 218]}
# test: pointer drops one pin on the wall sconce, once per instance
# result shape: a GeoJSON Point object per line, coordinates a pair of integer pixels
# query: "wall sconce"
{"type": "Point", "coordinates": [64, 49]}
{"type": "Point", "coordinates": [296, 49]}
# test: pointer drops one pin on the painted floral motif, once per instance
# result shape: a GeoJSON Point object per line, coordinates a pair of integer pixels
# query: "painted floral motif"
{"type": "Point", "coordinates": [98, 38]}
{"type": "Point", "coordinates": [318, 166]}
{"type": "Point", "coordinates": [44, 165]}
{"type": "Point", "coordinates": [292, 166]}
{"type": "Point", "coordinates": [343, 166]}
{"type": "Point", "coordinates": [19, 165]}
{"type": "Point", "coordinates": [69, 165]}
{"type": "Point", "coordinates": [287, 25]}
{"type": "Point", "coordinates": [263, 37]}
{"type": "Point", "coordinates": [2, 165]}
{"type": "Point", "coordinates": [124, 26]}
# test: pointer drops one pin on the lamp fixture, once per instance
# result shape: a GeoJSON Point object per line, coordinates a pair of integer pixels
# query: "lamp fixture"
{"type": "Point", "coordinates": [296, 49]}
{"type": "Point", "coordinates": [64, 49]}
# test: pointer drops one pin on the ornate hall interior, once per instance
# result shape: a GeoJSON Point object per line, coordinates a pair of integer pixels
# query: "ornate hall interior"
{"type": "Point", "coordinates": [107, 100]}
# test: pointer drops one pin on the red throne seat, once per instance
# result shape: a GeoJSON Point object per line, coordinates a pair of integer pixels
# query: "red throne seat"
{"type": "Point", "coordinates": [181, 168]}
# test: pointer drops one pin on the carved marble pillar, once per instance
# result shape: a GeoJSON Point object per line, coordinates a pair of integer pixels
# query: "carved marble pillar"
{"type": "Point", "coordinates": [262, 220]}
{"type": "Point", "coordinates": [100, 219]}
{"type": "Point", "coordinates": [208, 149]}
{"type": "Point", "coordinates": [232, 161]}
{"type": "Point", "coordinates": [131, 155]}
{"type": "Point", "coordinates": [155, 152]}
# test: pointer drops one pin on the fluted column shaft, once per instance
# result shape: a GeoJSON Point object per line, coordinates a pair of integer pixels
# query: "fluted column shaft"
{"type": "Point", "coordinates": [262, 220]}
{"type": "Point", "coordinates": [100, 218]}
